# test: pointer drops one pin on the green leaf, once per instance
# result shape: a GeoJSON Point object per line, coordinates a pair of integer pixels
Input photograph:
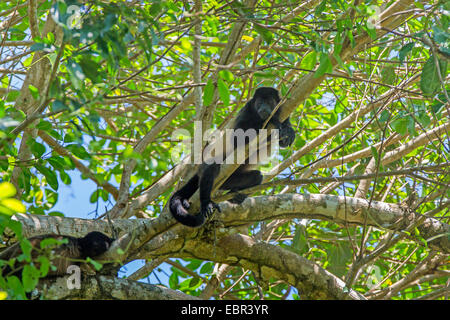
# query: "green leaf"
{"type": "Point", "coordinates": [384, 116]}
{"type": "Point", "coordinates": [403, 52]}
{"type": "Point", "coordinates": [50, 176]}
{"type": "Point", "coordinates": [57, 162]}
{"type": "Point", "coordinates": [173, 280]}
{"type": "Point", "coordinates": [440, 36]}
{"type": "Point", "coordinates": [12, 95]}
{"type": "Point", "coordinates": [58, 105]}
{"type": "Point", "coordinates": [4, 211]}
{"type": "Point", "coordinates": [324, 67]}
{"type": "Point", "coordinates": [410, 125]}
{"type": "Point", "coordinates": [25, 179]}
{"type": "Point", "coordinates": [14, 225]}
{"type": "Point", "coordinates": [130, 153]}
{"type": "Point", "coordinates": [339, 60]}
{"type": "Point", "coordinates": [65, 178]}
{"type": "Point", "coordinates": [424, 119]}
{"type": "Point", "coordinates": [194, 282]}
{"type": "Point", "coordinates": [208, 93]}
{"type": "Point", "coordinates": [38, 46]}
{"type": "Point", "coordinates": [155, 8]}
{"type": "Point", "coordinates": [7, 190]}
{"type": "Point", "coordinates": [49, 243]}
{"type": "Point", "coordinates": [16, 286]}
{"type": "Point", "coordinates": [299, 242]}
{"type": "Point", "coordinates": [186, 44]}
{"type": "Point", "coordinates": [38, 149]}
{"type": "Point", "coordinates": [339, 107]}
{"type": "Point", "coordinates": [98, 266]}
{"type": "Point", "coordinates": [4, 164]}
{"type": "Point", "coordinates": [400, 125]}
{"type": "Point", "coordinates": [371, 30]}
{"type": "Point", "coordinates": [50, 37]}
{"type": "Point", "coordinates": [226, 75]}
{"type": "Point", "coordinates": [26, 247]}
{"type": "Point", "coordinates": [104, 194]}
{"type": "Point", "coordinates": [388, 75]}
{"type": "Point", "coordinates": [76, 74]}
{"type": "Point", "coordinates": [194, 264]}
{"type": "Point", "coordinates": [13, 204]}
{"type": "Point", "coordinates": [374, 152]}
{"type": "Point", "coordinates": [90, 69]}
{"type": "Point", "coordinates": [438, 105]}
{"type": "Point", "coordinates": [78, 151]}
{"type": "Point", "coordinates": [44, 125]}
{"type": "Point", "coordinates": [264, 33]}
{"type": "Point", "coordinates": [56, 214]}
{"type": "Point", "coordinates": [309, 61]}
{"type": "Point", "coordinates": [94, 197]}
{"type": "Point", "coordinates": [429, 79]}
{"type": "Point", "coordinates": [34, 92]}
{"type": "Point", "coordinates": [351, 38]}
{"type": "Point", "coordinates": [224, 93]}
{"type": "Point", "coordinates": [44, 266]}
{"type": "Point", "coordinates": [30, 277]}
{"type": "Point", "coordinates": [320, 7]}
{"type": "Point", "coordinates": [207, 268]}
{"type": "Point", "coordinates": [338, 257]}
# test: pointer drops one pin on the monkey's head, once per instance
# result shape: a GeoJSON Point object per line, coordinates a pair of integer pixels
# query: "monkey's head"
{"type": "Point", "coordinates": [265, 100]}
{"type": "Point", "coordinates": [94, 244]}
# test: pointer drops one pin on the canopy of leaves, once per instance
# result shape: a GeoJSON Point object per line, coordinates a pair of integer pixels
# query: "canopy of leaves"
{"type": "Point", "coordinates": [94, 88]}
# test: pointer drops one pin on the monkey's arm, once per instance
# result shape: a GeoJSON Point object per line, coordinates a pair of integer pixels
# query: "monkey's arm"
{"type": "Point", "coordinates": [286, 133]}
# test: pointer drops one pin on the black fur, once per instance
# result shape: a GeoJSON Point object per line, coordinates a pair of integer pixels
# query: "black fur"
{"type": "Point", "coordinates": [93, 244]}
{"type": "Point", "coordinates": [252, 116]}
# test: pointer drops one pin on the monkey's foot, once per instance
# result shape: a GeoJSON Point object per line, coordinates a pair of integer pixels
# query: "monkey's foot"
{"type": "Point", "coordinates": [238, 198]}
{"type": "Point", "coordinates": [186, 204]}
{"type": "Point", "coordinates": [209, 209]}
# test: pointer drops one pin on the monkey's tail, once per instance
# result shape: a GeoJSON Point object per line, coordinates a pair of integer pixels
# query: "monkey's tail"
{"type": "Point", "coordinates": [179, 204]}
{"type": "Point", "coordinates": [182, 216]}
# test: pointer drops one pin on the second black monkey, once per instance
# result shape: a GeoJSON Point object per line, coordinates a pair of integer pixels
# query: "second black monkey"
{"type": "Point", "coordinates": [252, 116]}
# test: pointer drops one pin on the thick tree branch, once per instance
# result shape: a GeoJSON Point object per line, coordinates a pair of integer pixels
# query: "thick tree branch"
{"type": "Point", "coordinates": [269, 261]}
{"type": "Point", "coordinates": [339, 209]}
{"type": "Point", "coordinates": [103, 287]}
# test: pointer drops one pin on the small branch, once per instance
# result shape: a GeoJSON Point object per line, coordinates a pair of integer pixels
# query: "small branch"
{"type": "Point", "coordinates": [146, 269]}
{"type": "Point", "coordinates": [269, 261]}
{"type": "Point", "coordinates": [33, 20]}
{"type": "Point", "coordinates": [297, 182]}
{"type": "Point", "coordinates": [81, 167]}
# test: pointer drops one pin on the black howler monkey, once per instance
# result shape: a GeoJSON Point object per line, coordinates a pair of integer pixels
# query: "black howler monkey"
{"type": "Point", "coordinates": [252, 116]}
{"type": "Point", "coordinates": [93, 244]}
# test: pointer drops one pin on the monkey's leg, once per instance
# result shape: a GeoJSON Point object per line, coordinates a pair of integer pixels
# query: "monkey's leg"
{"type": "Point", "coordinates": [240, 180]}
{"type": "Point", "coordinates": [208, 175]}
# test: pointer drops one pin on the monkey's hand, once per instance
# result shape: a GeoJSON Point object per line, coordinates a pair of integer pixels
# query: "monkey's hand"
{"type": "Point", "coordinates": [207, 209]}
{"type": "Point", "coordinates": [287, 135]}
